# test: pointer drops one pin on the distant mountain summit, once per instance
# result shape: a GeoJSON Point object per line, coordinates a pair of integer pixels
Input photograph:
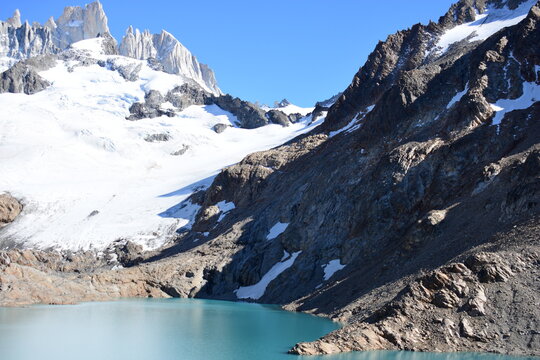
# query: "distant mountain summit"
{"type": "Point", "coordinates": [175, 57]}
{"type": "Point", "coordinates": [19, 41]}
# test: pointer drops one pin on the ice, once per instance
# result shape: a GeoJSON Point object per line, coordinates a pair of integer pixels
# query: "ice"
{"type": "Point", "coordinates": [331, 268]}
{"type": "Point", "coordinates": [276, 230]}
{"type": "Point", "coordinates": [68, 152]}
{"type": "Point", "coordinates": [256, 291]}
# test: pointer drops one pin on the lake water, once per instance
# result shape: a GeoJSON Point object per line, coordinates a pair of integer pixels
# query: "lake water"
{"type": "Point", "coordinates": [178, 329]}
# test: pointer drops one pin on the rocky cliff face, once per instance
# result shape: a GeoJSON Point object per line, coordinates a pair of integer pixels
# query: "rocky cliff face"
{"type": "Point", "coordinates": [77, 23]}
{"type": "Point", "coordinates": [25, 41]}
{"type": "Point", "coordinates": [168, 51]}
{"type": "Point", "coordinates": [19, 41]}
{"type": "Point", "coordinates": [411, 214]}
{"type": "Point", "coordinates": [22, 40]}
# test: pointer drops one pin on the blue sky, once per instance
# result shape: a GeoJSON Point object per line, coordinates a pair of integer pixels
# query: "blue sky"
{"type": "Point", "coordinates": [302, 50]}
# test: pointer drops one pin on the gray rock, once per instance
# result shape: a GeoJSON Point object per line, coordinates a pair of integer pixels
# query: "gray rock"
{"type": "Point", "coordinates": [157, 137]}
{"type": "Point", "coordinates": [171, 54]}
{"type": "Point", "coordinates": [181, 151]}
{"type": "Point", "coordinates": [26, 41]}
{"type": "Point", "coordinates": [153, 99]}
{"type": "Point", "coordinates": [150, 108]}
{"type": "Point", "coordinates": [278, 117]}
{"type": "Point", "coordinates": [219, 128]}
{"type": "Point", "coordinates": [109, 45]}
{"type": "Point", "coordinates": [22, 78]}
{"type": "Point", "coordinates": [77, 23]}
{"type": "Point", "coordinates": [186, 95]}
{"type": "Point", "coordinates": [466, 328]}
{"type": "Point", "coordinates": [249, 115]}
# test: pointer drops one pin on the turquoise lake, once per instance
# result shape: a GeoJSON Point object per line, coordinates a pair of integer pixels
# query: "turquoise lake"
{"type": "Point", "coordinates": [149, 329]}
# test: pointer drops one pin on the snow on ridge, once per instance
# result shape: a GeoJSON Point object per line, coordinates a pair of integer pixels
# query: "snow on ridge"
{"type": "Point", "coordinates": [331, 268]}
{"type": "Point", "coordinates": [484, 25]}
{"type": "Point", "coordinates": [276, 230]}
{"type": "Point", "coordinates": [291, 109]}
{"type": "Point", "coordinates": [257, 290]}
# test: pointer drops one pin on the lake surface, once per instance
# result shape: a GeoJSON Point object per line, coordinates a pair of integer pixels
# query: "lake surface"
{"type": "Point", "coordinates": [178, 329]}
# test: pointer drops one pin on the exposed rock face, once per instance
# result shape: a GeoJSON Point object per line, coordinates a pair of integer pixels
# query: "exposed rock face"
{"type": "Point", "coordinates": [278, 117]}
{"type": "Point", "coordinates": [151, 108]}
{"type": "Point", "coordinates": [22, 78]}
{"type": "Point", "coordinates": [404, 51]}
{"type": "Point", "coordinates": [77, 23]}
{"type": "Point", "coordinates": [416, 319]}
{"type": "Point", "coordinates": [169, 52]}
{"type": "Point", "coordinates": [15, 20]}
{"type": "Point", "coordinates": [24, 41]}
{"type": "Point", "coordinates": [10, 208]}
{"type": "Point", "coordinates": [250, 115]}
{"type": "Point", "coordinates": [185, 95]}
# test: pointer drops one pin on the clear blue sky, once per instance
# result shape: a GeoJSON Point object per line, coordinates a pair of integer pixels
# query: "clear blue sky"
{"type": "Point", "coordinates": [302, 50]}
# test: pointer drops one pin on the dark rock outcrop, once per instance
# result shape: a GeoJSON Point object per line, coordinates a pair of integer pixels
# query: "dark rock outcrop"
{"type": "Point", "coordinates": [249, 115]}
{"type": "Point", "coordinates": [22, 78]}
{"type": "Point", "coordinates": [151, 107]}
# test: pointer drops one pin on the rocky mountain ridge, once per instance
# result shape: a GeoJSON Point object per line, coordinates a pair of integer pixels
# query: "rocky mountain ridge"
{"type": "Point", "coordinates": [19, 41]}
{"type": "Point", "coordinates": [169, 52]}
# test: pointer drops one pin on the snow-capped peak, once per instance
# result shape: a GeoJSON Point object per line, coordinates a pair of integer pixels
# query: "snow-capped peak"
{"type": "Point", "coordinates": [175, 57]}
{"type": "Point", "coordinates": [485, 24]}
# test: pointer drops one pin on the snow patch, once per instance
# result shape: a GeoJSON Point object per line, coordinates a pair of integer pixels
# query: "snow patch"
{"type": "Point", "coordinates": [94, 46]}
{"type": "Point", "coordinates": [352, 125]}
{"type": "Point", "coordinates": [531, 94]}
{"type": "Point", "coordinates": [257, 290]}
{"type": "Point", "coordinates": [224, 207]}
{"type": "Point", "coordinates": [458, 96]}
{"type": "Point", "coordinates": [331, 268]}
{"type": "Point", "coordinates": [276, 230]}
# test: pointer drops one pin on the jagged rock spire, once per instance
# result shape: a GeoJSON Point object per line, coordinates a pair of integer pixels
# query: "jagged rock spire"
{"type": "Point", "coordinates": [77, 23]}
{"type": "Point", "coordinates": [15, 20]}
{"type": "Point", "coordinates": [175, 57]}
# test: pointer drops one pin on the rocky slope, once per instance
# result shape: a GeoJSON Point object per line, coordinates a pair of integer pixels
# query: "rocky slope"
{"type": "Point", "coordinates": [411, 214]}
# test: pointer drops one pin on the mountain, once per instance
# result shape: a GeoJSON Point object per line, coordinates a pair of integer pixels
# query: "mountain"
{"type": "Point", "coordinates": [114, 131]}
{"type": "Point", "coordinates": [22, 41]}
{"type": "Point", "coordinates": [410, 214]}
{"type": "Point", "coordinates": [76, 24]}
{"type": "Point", "coordinates": [174, 57]}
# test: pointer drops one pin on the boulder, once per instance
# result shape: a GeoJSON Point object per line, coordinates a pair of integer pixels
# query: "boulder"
{"type": "Point", "coordinates": [10, 208]}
